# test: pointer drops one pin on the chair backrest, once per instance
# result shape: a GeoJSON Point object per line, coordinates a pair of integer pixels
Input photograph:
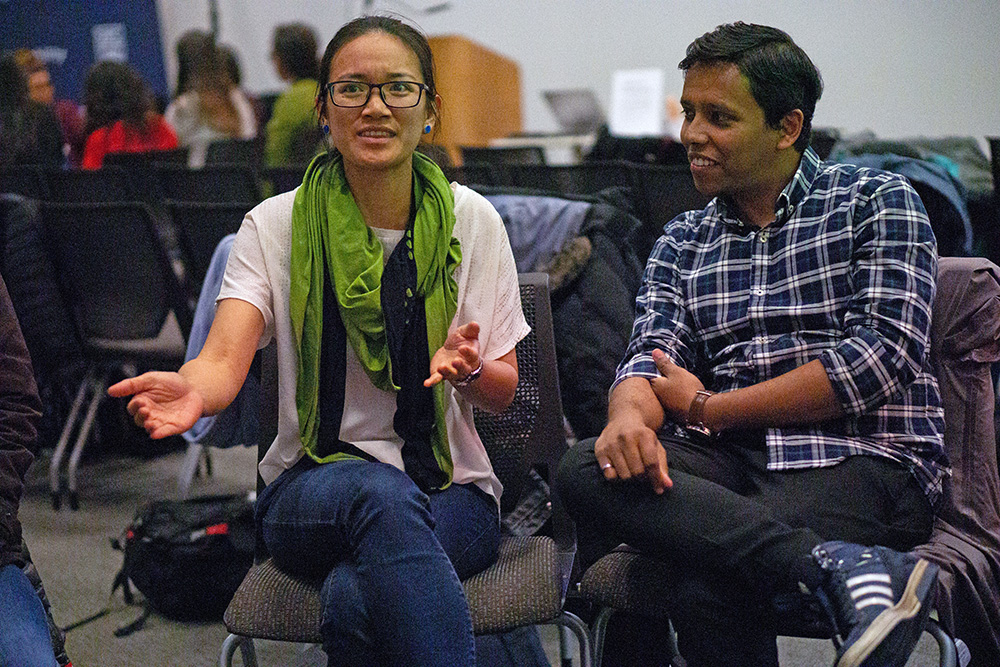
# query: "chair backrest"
{"type": "Point", "coordinates": [503, 155]}
{"type": "Point", "coordinates": [995, 164]}
{"type": "Point", "coordinates": [283, 179]}
{"type": "Point", "coordinates": [212, 183]}
{"type": "Point", "coordinates": [531, 434]}
{"type": "Point", "coordinates": [576, 179]}
{"type": "Point", "coordinates": [23, 179]}
{"type": "Point", "coordinates": [668, 191]}
{"type": "Point", "coordinates": [146, 158]}
{"type": "Point", "coordinates": [113, 271]}
{"type": "Point", "coordinates": [200, 227]}
{"type": "Point", "coordinates": [247, 152]}
{"type": "Point", "coordinates": [112, 183]}
{"type": "Point", "coordinates": [436, 152]}
{"type": "Point", "coordinates": [474, 173]}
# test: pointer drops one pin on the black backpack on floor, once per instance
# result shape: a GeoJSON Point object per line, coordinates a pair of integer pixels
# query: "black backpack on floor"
{"type": "Point", "coordinates": [188, 557]}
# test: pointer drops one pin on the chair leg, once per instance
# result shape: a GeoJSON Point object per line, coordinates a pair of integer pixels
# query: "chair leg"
{"type": "Point", "coordinates": [81, 440]}
{"type": "Point", "coordinates": [600, 632]}
{"type": "Point", "coordinates": [247, 652]}
{"type": "Point", "coordinates": [574, 624]}
{"type": "Point", "coordinates": [949, 653]}
{"type": "Point", "coordinates": [189, 468]}
{"type": "Point", "coordinates": [55, 483]}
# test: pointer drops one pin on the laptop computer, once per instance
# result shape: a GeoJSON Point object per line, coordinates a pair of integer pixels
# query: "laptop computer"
{"type": "Point", "coordinates": [577, 111]}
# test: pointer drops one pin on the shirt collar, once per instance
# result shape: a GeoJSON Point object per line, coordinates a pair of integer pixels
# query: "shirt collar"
{"type": "Point", "coordinates": [787, 201]}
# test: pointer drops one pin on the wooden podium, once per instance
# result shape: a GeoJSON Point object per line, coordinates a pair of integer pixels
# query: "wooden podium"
{"type": "Point", "coordinates": [480, 91]}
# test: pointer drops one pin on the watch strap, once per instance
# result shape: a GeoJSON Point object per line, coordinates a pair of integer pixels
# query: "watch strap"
{"type": "Point", "coordinates": [696, 414]}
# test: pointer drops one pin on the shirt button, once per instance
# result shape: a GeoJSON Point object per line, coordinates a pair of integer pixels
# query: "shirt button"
{"type": "Point", "coordinates": [763, 237]}
{"type": "Point", "coordinates": [759, 291]}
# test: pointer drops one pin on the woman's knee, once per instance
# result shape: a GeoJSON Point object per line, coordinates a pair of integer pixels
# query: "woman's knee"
{"type": "Point", "coordinates": [389, 489]}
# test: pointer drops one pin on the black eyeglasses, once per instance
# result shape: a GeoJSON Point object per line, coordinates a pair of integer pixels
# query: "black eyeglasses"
{"type": "Point", "coordinates": [395, 94]}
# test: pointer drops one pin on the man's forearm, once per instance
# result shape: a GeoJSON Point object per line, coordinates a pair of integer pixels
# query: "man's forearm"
{"type": "Point", "coordinates": [634, 396]}
{"type": "Point", "coordinates": [801, 396]}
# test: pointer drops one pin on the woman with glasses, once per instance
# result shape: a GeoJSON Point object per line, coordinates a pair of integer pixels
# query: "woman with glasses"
{"type": "Point", "coordinates": [393, 298]}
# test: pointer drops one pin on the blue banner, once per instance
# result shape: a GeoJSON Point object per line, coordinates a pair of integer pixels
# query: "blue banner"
{"type": "Point", "coordinates": [71, 35]}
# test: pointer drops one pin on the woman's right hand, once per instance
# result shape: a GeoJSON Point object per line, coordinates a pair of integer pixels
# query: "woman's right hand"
{"type": "Point", "coordinates": [164, 404]}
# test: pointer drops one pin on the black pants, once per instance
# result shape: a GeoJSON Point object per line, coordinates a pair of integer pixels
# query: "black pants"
{"type": "Point", "coordinates": [735, 533]}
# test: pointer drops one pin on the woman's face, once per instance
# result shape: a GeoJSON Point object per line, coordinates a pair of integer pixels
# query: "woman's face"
{"type": "Point", "coordinates": [376, 137]}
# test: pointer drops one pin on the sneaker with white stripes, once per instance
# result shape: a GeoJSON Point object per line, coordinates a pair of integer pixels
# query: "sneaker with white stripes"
{"type": "Point", "coordinates": [879, 600]}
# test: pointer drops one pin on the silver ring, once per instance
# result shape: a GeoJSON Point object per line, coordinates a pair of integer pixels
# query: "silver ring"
{"type": "Point", "coordinates": [606, 466]}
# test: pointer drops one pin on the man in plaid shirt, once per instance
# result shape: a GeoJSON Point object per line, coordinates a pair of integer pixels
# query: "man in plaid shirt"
{"type": "Point", "coordinates": [776, 394]}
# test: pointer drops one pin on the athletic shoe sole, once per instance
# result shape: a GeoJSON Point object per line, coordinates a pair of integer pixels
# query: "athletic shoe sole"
{"type": "Point", "coordinates": [917, 588]}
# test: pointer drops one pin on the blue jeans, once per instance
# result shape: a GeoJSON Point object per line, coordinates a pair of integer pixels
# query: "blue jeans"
{"type": "Point", "coordinates": [392, 558]}
{"type": "Point", "coordinates": [24, 629]}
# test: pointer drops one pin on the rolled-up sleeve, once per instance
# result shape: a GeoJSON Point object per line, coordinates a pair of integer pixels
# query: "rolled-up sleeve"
{"type": "Point", "coordinates": [887, 324]}
{"type": "Point", "coordinates": [662, 320]}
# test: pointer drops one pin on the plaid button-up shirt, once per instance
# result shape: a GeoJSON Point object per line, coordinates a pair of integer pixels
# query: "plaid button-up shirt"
{"type": "Point", "coordinates": [845, 274]}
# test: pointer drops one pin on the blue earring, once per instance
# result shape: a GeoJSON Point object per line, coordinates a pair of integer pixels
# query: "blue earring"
{"type": "Point", "coordinates": [326, 129]}
{"type": "Point", "coordinates": [427, 128]}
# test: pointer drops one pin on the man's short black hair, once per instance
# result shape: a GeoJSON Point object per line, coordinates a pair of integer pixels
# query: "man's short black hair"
{"type": "Point", "coordinates": [782, 78]}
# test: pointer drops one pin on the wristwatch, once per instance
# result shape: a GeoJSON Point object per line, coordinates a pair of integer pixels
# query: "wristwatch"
{"type": "Point", "coordinates": [696, 415]}
{"type": "Point", "coordinates": [471, 377]}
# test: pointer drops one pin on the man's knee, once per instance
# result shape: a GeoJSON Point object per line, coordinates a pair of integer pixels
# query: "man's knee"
{"type": "Point", "coordinates": [575, 469]}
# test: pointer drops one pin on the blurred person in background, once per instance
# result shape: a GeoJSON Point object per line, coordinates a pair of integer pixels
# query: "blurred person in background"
{"type": "Point", "coordinates": [41, 90]}
{"type": "Point", "coordinates": [29, 131]}
{"type": "Point", "coordinates": [120, 115]}
{"type": "Point", "coordinates": [292, 137]}
{"type": "Point", "coordinates": [212, 108]}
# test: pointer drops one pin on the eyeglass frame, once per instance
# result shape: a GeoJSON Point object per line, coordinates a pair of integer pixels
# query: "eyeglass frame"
{"type": "Point", "coordinates": [421, 88]}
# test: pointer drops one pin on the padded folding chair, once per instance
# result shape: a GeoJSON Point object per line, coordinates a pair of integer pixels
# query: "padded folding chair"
{"type": "Point", "coordinates": [25, 180]}
{"type": "Point", "coordinates": [212, 183]}
{"type": "Point", "coordinates": [128, 305]}
{"type": "Point", "coordinates": [112, 183]}
{"type": "Point", "coordinates": [527, 584]}
{"type": "Point", "coordinates": [965, 541]}
{"type": "Point", "coordinates": [200, 226]}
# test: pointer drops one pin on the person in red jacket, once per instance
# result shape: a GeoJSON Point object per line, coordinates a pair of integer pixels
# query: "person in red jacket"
{"type": "Point", "coordinates": [120, 115]}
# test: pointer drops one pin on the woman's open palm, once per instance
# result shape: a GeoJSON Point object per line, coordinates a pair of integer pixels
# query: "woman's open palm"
{"type": "Point", "coordinates": [458, 357]}
{"type": "Point", "coordinates": [164, 404]}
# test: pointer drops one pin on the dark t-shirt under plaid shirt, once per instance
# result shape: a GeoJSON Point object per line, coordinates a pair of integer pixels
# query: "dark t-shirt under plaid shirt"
{"type": "Point", "coordinates": [845, 274]}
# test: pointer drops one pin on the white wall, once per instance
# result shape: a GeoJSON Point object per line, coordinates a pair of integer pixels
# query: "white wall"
{"type": "Point", "coordinates": [900, 68]}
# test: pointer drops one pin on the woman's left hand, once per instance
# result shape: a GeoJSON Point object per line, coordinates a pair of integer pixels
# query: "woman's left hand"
{"type": "Point", "coordinates": [458, 357]}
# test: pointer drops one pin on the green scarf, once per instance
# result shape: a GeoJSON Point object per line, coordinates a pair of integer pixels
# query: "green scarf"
{"type": "Point", "coordinates": [327, 226]}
